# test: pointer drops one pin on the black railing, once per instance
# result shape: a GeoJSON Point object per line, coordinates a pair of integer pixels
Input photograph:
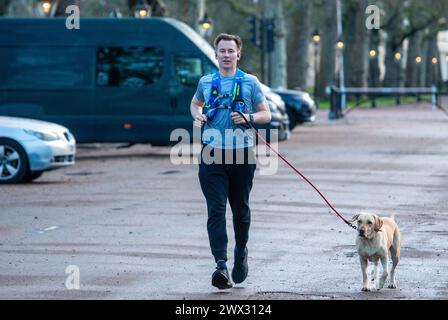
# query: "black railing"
{"type": "Point", "coordinates": [338, 97]}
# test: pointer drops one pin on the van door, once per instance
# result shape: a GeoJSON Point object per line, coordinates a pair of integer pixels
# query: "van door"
{"type": "Point", "coordinates": [132, 98]}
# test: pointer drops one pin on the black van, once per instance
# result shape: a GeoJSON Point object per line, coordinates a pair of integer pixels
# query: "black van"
{"type": "Point", "coordinates": [113, 80]}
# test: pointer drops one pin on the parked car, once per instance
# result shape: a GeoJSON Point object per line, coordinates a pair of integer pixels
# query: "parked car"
{"type": "Point", "coordinates": [30, 147]}
{"type": "Point", "coordinates": [278, 126]}
{"type": "Point", "coordinates": [280, 119]}
{"type": "Point", "coordinates": [299, 105]}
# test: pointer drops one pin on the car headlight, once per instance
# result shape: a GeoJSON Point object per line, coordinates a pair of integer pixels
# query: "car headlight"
{"type": "Point", "coordinates": [45, 136]}
{"type": "Point", "coordinates": [307, 97]}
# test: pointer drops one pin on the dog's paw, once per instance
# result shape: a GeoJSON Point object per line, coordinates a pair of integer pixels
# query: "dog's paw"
{"type": "Point", "coordinates": [392, 286]}
{"type": "Point", "coordinates": [365, 289]}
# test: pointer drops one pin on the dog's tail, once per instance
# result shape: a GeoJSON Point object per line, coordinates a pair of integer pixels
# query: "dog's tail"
{"type": "Point", "coordinates": [393, 216]}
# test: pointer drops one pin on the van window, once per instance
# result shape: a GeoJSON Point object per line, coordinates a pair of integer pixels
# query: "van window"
{"type": "Point", "coordinates": [188, 70]}
{"type": "Point", "coordinates": [45, 67]}
{"type": "Point", "coordinates": [128, 67]}
{"type": "Point", "coordinates": [209, 68]}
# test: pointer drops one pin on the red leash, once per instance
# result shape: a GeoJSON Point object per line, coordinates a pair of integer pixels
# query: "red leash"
{"type": "Point", "coordinates": [301, 174]}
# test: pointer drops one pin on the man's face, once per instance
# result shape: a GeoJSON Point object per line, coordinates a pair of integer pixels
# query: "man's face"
{"type": "Point", "coordinates": [227, 54]}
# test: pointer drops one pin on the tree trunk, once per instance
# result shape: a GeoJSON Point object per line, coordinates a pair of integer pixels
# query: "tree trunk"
{"type": "Point", "coordinates": [393, 66]}
{"type": "Point", "coordinates": [431, 76]}
{"type": "Point", "coordinates": [328, 49]}
{"type": "Point", "coordinates": [277, 74]}
{"type": "Point", "coordinates": [4, 5]}
{"type": "Point", "coordinates": [298, 44]}
{"type": "Point", "coordinates": [414, 70]}
{"type": "Point", "coordinates": [356, 41]}
{"type": "Point", "coordinates": [393, 76]}
{"type": "Point", "coordinates": [374, 69]}
{"type": "Point", "coordinates": [63, 4]}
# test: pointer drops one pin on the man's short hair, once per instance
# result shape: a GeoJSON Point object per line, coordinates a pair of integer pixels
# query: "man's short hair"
{"type": "Point", "coordinates": [229, 37]}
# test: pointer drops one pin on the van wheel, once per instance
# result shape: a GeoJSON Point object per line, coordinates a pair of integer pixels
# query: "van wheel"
{"type": "Point", "coordinates": [13, 162]}
{"type": "Point", "coordinates": [32, 175]}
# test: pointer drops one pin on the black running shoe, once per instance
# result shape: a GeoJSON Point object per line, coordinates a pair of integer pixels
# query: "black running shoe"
{"type": "Point", "coordinates": [221, 279]}
{"type": "Point", "coordinates": [240, 268]}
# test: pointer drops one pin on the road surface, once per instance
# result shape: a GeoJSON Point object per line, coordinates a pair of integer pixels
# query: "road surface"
{"type": "Point", "coordinates": [134, 225]}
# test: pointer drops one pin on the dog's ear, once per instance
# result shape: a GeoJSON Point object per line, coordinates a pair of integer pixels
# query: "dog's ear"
{"type": "Point", "coordinates": [378, 223]}
{"type": "Point", "coordinates": [355, 217]}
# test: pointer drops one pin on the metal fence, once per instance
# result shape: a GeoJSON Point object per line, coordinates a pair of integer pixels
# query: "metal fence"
{"type": "Point", "coordinates": [339, 96]}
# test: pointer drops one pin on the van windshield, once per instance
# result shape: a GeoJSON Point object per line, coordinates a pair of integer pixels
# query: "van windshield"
{"type": "Point", "coordinates": [205, 47]}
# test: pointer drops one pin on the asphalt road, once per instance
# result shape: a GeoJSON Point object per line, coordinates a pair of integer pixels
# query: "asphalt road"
{"type": "Point", "coordinates": [134, 225]}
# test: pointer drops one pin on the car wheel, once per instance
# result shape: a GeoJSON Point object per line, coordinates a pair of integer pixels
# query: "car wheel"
{"type": "Point", "coordinates": [13, 162]}
{"type": "Point", "coordinates": [32, 175]}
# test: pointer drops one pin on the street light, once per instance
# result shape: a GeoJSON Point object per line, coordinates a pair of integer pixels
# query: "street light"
{"type": "Point", "coordinates": [316, 36]}
{"type": "Point", "coordinates": [418, 59]}
{"type": "Point", "coordinates": [340, 44]}
{"type": "Point", "coordinates": [206, 25]}
{"type": "Point", "coordinates": [142, 10]}
{"type": "Point", "coordinates": [316, 41]}
{"type": "Point", "coordinates": [397, 56]}
{"type": "Point", "coordinates": [46, 7]}
{"type": "Point", "coordinates": [372, 53]}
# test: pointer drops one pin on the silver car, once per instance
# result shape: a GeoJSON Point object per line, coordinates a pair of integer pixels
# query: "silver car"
{"type": "Point", "coordinates": [30, 147]}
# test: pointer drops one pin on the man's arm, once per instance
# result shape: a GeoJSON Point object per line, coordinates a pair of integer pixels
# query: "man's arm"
{"type": "Point", "coordinates": [263, 115]}
{"type": "Point", "coordinates": [196, 112]}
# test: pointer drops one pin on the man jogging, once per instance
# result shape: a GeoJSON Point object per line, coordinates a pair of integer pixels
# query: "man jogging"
{"type": "Point", "coordinates": [219, 104]}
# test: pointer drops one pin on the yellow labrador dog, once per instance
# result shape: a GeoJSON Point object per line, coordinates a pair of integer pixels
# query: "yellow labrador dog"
{"type": "Point", "coordinates": [376, 237]}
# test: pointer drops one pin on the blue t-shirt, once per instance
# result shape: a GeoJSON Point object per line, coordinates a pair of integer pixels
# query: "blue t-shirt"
{"type": "Point", "coordinates": [223, 133]}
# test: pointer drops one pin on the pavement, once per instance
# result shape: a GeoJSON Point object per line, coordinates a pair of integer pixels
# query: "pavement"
{"type": "Point", "coordinates": [128, 224]}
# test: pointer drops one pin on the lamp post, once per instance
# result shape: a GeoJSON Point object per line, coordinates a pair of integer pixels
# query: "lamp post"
{"type": "Point", "coordinates": [397, 57]}
{"type": "Point", "coordinates": [340, 51]}
{"type": "Point", "coordinates": [142, 10]}
{"type": "Point", "coordinates": [206, 26]}
{"type": "Point", "coordinates": [340, 45]}
{"type": "Point", "coordinates": [418, 61]}
{"type": "Point", "coordinates": [434, 62]}
{"type": "Point", "coordinates": [316, 41]}
{"type": "Point", "coordinates": [372, 55]}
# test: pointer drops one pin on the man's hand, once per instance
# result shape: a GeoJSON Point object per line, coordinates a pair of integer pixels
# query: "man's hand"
{"type": "Point", "coordinates": [238, 119]}
{"type": "Point", "coordinates": [200, 120]}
